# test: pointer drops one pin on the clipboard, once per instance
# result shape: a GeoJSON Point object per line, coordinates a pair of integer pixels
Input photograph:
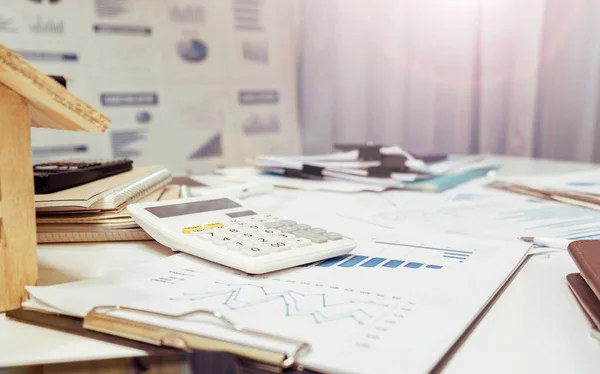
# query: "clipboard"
{"type": "Point", "coordinates": [100, 324]}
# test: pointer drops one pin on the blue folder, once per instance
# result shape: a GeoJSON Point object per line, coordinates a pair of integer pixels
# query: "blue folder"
{"type": "Point", "coordinates": [448, 181]}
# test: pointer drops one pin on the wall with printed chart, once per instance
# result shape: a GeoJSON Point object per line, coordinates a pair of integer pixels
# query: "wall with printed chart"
{"type": "Point", "coordinates": [188, 84]}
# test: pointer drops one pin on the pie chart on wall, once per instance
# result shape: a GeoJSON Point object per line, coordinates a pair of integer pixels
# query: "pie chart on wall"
{"type": "Point", "coordinates": [192, 50]}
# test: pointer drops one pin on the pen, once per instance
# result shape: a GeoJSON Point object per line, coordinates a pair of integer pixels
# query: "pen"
{"type": "Point", "coordinates": [547, 242]}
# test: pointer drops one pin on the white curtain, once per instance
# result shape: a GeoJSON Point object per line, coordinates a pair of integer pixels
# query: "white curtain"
{"type": "Point", "coordinates": [517, 77]}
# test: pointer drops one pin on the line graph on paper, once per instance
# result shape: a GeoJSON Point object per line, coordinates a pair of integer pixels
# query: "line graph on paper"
{"type": "Point", "coordinates": [318, 307]}
{"type": "Point", "coordinates": [304, 308]}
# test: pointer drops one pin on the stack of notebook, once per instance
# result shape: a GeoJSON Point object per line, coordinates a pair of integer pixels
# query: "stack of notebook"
{"type": "Point", "coordinates": [96, 211]}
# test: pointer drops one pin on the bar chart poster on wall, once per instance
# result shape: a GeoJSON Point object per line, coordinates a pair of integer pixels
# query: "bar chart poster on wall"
{"type": "Point", "coordinates": [189, 84]}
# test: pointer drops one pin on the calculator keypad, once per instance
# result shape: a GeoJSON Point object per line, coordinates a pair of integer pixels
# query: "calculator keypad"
{"type": "Point", "coordinates": [261, 235]}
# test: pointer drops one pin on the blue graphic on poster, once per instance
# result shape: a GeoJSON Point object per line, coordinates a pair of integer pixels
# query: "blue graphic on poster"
{"type": "Point", "coordinates": [258, 97]}
{"type": "Point", "coordinates": [111, 8]}
{"type": "Point", "coordinates": [143, 117]}
{"type": "Point", "coordinates": [262, 124]}
{"type": "Point", "coordinates": [256, 51]}
{"type": "Point", "coordinates": [48, 56]}
{"type": "Point", "coordinates": [131, 30]}
{"type": "Point", "coordinates": [41, 154]}
{"type": "Point", "coordinates": [247, 15]}
{"type": "Point", "coordinates": [47, 26]}
{"type": "Point", "coordinates": [190, 13]}
{"type": "Point", "coordinates": [212, 148]}
{"type": "Point", "coordinates": [45, 1]}
{"type": "Point", "coordinates": [192, 50]}
{"type": "Point", "coordinates": [129, 99]}
{"type": "Point", "coordinates": [126, 143]}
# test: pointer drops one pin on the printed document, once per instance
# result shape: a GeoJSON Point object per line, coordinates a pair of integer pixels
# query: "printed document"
{"type": "Point", "coordinates": [493, 214]}
{"type": "Point", "coordinates": [395, 305]}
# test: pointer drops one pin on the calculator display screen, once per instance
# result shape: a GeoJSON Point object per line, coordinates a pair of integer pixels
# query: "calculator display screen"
{"type": "Point", "coordinates": [245, 213]}
{"type": "Point", "coordinates": [174, 210]}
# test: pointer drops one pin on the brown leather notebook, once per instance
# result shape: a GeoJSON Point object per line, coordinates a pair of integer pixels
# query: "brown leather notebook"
{"type": "Point", "coordinates": [586, 284]}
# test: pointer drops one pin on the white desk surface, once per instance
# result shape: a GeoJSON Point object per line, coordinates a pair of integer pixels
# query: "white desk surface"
{"type": "Point", "coordinates": [535, 326]}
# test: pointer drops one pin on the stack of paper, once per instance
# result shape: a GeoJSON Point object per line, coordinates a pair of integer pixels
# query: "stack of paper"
{"type": "Point", "coordinates": [96, 211]}
{"type": "Point", "coordinates": [379, 169]}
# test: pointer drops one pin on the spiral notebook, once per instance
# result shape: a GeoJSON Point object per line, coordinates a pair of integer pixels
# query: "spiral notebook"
{"type": "Point", "coordinates": [109, 193]}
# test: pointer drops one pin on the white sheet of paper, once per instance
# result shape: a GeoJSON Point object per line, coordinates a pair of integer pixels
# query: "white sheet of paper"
{"type": "Point", "coordinates": [484, 212]}
{"type": "Point", "coordinates": [398, 303]}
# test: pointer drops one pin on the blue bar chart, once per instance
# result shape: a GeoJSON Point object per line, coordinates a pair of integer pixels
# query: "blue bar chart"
{"type": "Point", "coordinates": [353, 261]}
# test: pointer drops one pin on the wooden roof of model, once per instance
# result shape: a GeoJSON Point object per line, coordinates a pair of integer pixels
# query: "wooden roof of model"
{"type": "Point", "coordinates": [51, 104]}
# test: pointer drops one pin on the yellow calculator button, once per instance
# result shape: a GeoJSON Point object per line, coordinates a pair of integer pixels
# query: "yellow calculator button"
{"type": "Point", "coordinates": [187, 230]}
{"type": "Point", "coordinates": [213, 225]}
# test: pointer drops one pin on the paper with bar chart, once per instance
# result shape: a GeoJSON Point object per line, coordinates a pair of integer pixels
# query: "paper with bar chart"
{"type": "Point", "coordinates": [406, 255]}
{"type": "Point", "coordinates": [406, 298]}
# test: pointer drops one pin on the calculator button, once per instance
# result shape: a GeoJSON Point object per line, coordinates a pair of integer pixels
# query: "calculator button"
{"type": "Point", "coordinates": [302, 226]}
{"type": "Point", "coordinates": [299, 242]}
{"type": "Point", "coordinates": [277, 246]}
{"type": "Point", "coordinates": [246, 235]}
{"type": "Point", "coordinates": [279, 223]}
{"type": "Point", "coordinates": [259, 240]}
{"type": "Point", "coordinates": [288, 228]}
{"type": "Point", "coordinates": [251, 228]}
{"type": "Point", "coordinates": [274, 224]}
{"type": "Point", "coordinates": [269, 232]}
{"type": "Point", "coordinates": [206, 235]}
{"type": "Point", "coordinates": [233, 231]}
{"type": "Point", "coordinates": [333, 236]}
{"type": "Point", "coordinates": [224, 240]}
{"type": "Point", "coordinates": [315, 238]}
{"type": "Point", "coordinates": [317, 230]}
{"type": "Point", "coordinates": [236, 246]}
{"type": "Point", "coordinates": [254, 251]}
{"type": "Point", "coordinates": [284, 236]}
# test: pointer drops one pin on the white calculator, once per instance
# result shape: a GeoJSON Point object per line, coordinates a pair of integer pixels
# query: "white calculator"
{"type": "Point", "coordinates": [222, 230]}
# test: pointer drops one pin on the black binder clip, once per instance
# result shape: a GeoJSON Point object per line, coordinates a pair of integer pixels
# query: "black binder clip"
{"type": "Point", "coordinates": [312, 171]}
{"type": "Point", "coordinates": [307, 172]}
{"type": "Point", "coordinates": [370, 153]}
{"type": "Point", "coordinates": [395, 162]}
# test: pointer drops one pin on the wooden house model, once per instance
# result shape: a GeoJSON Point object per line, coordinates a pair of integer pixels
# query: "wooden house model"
{"type": "Point", "coordinates": [28, 98]}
